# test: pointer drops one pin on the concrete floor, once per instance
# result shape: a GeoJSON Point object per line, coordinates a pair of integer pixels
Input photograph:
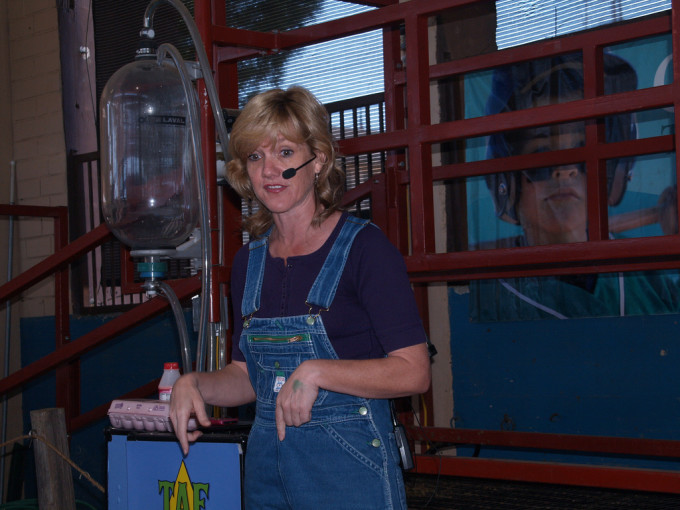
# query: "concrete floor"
{"type": "Point", "coordinates": [435, 493]}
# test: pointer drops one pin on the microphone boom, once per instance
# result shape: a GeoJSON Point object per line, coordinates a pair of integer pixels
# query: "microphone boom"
{"type": "Point", "coordinates": [289, 173]}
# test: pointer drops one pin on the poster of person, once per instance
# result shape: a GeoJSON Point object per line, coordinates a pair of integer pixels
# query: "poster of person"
{"type": "Point", "coordinates": [548, 205]}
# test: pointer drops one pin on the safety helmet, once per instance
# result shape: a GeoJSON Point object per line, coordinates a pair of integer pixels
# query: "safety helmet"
{"type": "Point", "coordinates": [547, 81]}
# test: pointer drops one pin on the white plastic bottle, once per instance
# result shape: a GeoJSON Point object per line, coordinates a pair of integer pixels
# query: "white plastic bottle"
{"type": "Point", "coordinates": [170, 375]}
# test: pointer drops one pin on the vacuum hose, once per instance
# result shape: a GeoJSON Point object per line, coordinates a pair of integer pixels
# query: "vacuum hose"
{"type": "Point", "coordinates": [181, 324]}
{"type": "Point", "coordinates": [220, 124]}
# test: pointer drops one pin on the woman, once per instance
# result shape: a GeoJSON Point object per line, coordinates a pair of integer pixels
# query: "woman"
{"type": "Point", "coordinates": [329, 327]}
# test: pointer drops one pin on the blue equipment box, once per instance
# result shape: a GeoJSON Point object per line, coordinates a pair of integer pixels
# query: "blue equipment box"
{"type": "Point", "coordinates": [147, 470]}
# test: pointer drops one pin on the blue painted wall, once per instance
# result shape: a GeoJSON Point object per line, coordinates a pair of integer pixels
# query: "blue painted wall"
{"type": "Point", "coordinates": [601, 376]}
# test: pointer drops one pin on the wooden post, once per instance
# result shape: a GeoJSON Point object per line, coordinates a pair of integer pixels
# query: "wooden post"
{"type": "Point", "coordinates": [53, 473]}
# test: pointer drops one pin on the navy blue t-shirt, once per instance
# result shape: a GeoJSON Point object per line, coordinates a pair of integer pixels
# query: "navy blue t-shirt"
{"type": "Point", "coordinates": [373, 312]}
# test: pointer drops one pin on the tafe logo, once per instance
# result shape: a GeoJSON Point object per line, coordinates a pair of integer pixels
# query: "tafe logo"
{"type": "Point", "coordinates": [182, 494]}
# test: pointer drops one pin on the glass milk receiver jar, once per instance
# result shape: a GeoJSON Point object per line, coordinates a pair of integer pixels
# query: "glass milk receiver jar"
{"type": "Point", "coordinates": [149, 197]}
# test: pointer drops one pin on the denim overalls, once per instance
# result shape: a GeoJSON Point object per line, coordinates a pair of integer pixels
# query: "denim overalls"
{"type": "Point", "coordinates": [346, 456]}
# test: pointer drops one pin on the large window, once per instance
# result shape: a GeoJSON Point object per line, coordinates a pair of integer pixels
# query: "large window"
{"type": "Point", "coordinates": [539, 181]}
{"type": "Point", "coordinates": [323, 68]}
{"type": "Point", "coordinates": [523, 21]}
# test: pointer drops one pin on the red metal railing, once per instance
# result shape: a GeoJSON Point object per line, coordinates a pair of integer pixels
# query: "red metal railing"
{"type": "Point", "coordinates": [67, 376]}
{"type": "Point", "coordinates": [653, 480]}
{"type": "Point", "coordinates": [410, 142]}
{"type": "Point", "coordinates": [65, 358]}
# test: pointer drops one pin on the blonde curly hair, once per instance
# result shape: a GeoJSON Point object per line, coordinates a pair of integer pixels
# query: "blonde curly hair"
{"type": "Point", "coordinates": [297, 115]}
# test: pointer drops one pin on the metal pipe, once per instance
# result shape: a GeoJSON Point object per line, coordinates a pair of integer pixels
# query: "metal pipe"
{"type": "Point", "coordinates": [8, 327]}
{"type": "Point", "coordinates": [202, 60]}
{"type": "Point", "coordinates": [220, 123]}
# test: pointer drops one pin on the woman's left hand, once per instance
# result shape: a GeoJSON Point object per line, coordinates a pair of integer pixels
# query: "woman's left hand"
{"type": "Point", "coordinates": [402, 372]}
{"type": "Point", "coordinates": [295, 400]}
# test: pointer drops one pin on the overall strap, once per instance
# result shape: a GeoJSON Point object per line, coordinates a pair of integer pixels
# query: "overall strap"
{"type": "Point", "coordinates": [326, 283]}
{"type": "Point", "coordinates": [257, 255]}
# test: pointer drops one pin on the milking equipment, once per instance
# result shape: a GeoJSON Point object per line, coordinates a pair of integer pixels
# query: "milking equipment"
{"type": "Point", "coordinates": [154, 201]}
{"type": "Point", "coordinates": [153, 181]}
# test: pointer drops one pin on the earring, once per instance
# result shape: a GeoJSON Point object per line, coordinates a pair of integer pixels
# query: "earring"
{"type": "Point", "coordinates": [316, 180]}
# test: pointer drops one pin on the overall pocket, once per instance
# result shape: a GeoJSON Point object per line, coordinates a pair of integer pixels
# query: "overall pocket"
{"type": "Point", "coordinates": [275, 358]}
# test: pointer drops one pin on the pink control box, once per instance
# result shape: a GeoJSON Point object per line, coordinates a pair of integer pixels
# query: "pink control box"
{"type": "Point", "coordinates": [149, 415]}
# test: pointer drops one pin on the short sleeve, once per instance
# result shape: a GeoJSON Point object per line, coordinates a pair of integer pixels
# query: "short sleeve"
{"type": "Point", "coordinates": [385, 291]}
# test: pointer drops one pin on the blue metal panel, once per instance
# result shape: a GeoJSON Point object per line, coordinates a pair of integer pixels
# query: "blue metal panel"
{"type": "Point", "coordinates": [155, 474]}
{"type": "Point", "coordinates": [117, 486]}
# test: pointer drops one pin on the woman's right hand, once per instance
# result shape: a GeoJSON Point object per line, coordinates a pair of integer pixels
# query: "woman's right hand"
{"type": "Point", "coordinates": [186, 402]}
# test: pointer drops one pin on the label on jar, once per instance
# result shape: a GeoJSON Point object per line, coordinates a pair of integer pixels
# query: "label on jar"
{"type": "Point", "coordinates": [164, 393]}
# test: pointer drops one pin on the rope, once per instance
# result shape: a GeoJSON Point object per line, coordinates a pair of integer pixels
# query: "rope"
{"type": "Point", "coordinates": [32, 435]}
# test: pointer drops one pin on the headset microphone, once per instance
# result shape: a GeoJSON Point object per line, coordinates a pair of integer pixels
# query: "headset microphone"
{"type": "Point", "coordinates": [289, 173]}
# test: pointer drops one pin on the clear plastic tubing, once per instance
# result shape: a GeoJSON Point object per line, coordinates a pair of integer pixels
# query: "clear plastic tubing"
{"type": "Point", "coordinates": [221, 126]}
{"type": "Point", "coordinates": [181, 325]}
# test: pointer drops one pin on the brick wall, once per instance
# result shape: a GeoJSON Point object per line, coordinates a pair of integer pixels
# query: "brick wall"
{"type": "Point", "coordinates": [37, 135]}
